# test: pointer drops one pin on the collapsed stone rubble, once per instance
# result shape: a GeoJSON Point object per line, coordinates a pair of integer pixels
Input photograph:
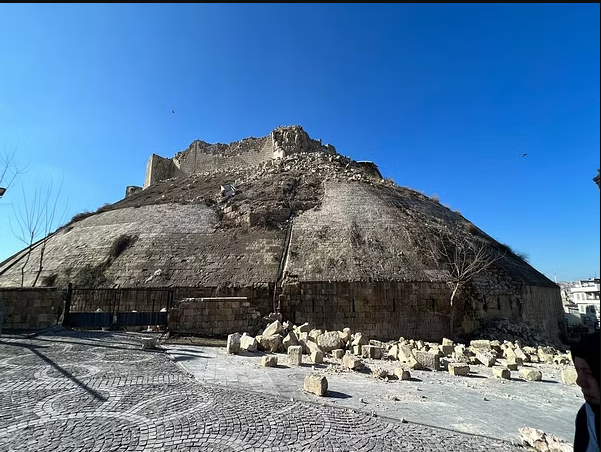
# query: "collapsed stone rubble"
{"type": "Point", "coordinates": [352, 351]}
{"type": "Point", "coordinates": [348, 351]}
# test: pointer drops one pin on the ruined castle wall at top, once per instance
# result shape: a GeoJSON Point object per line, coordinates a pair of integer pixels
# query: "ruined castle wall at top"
{"type": "Point", "coordinates": [201, 157]}
{"type": "Point", "coordinates": [158, 169]}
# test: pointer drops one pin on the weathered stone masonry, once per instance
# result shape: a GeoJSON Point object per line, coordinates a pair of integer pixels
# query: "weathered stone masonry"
{"type": "Point", "coordinates": [31, 308]}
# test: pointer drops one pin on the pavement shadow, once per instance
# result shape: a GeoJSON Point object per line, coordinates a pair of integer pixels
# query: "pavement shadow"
{"type": "Point", "coordinates": [337, 395]}
{"type": "Point", "coordinates": [184, 358]}
{"type": "Point", "coordinates": [179, 349]}
{"type": "Point", "coordinates": [34, 349]}
{"type": "Point", "coordinates": [317, 366]}
{"type": "Point", "coordinates": [89, 343]}
{"type": "Point", "coordinates": [476, 376]}
{"type": "Point", "coordinates": [173, 352]}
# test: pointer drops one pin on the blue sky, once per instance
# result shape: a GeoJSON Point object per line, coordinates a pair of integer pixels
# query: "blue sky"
{"type": "Point", "coordinates": [444, 98]}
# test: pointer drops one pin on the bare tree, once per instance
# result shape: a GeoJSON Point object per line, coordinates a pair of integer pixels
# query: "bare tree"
{"type": "Point", "coordinates": [36, 219]}
{"type": "Point", "coordinates": [10, 169]}
{"type": "Point", "coordinates": [462, 255]}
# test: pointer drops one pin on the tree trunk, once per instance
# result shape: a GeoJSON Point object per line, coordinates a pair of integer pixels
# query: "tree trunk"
{"type": "Point", "coordinates": [41, 266]}
{"type": "Point", "coordinates": [25, 265]}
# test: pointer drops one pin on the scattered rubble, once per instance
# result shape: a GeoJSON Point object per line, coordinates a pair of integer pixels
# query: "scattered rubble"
{"type": "Point", "coordinates": [347, 351]}
{"type": "Point", "coordinates": [506, 330]}
{"type": "Point", "coordinates": [544, 442]}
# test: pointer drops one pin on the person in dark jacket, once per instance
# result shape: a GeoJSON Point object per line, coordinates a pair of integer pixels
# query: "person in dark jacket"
{"type": "Point", "coordinates": [586, 360]}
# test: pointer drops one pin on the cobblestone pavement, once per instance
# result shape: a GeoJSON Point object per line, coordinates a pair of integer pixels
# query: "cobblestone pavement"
{"type": "Point", "coordinates": [94, 391]}
{"type": "Point", "coordinates": [476, 404]}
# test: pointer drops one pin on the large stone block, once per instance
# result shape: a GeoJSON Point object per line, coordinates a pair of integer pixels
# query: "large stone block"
{"type": "Point", "coordinates": [290, 340]}
{"type": "Point", "coordinates": [304, 328]}
{"type": "Point", "coordinates": [371, 351]}
{"type": "Point", "coordinates": [295, 355]}
{"type": "Point", "coordinates": [447, 350]}
{"type": "Point", "coordinates": [329, 341]}
{"type": "Point", "coordinates": [486, 357]}
{"type": "Point", "coordinates": [402, 374]}
{"type": "Point", "coordinates": [520, 354]}
{"type": "Point", "coordinates": [458, 369]}
{"type": "Point", "coordinates": [248, 343]}
{"type": "Point", "coordinates": [427, 360]}
{"type": "Point", "coordinates": [270, 343]}
{"type": "Point", "coordinates": [345, 335]}
{"type": "Point", "coordinates": [316, 384]}
{"type": "Point", "coordinates": [359, 339]}
{"type": "Point", "coordinates": [273, 328]}
{"type": "Point", "coordinates": [316, 356]}
{"type": "Point", "coordinates": [481, 343]}
{"type": "Point", "coordinates": [501, 372]}
{"type": "Point", "coordinates": [233, 343]}
{"type": "Point", "coordinates": [269, 361]}
{"type": "Point", "coordinates": [338, 353]}
{"type": "Point", "coordinates": [350, 361]}
{"type": "Point", "coordinates": [569, 376]}
{"type": "Point", "coordinates": [406, 353]}
{"type": "Point", "coordinates": [314, 334]}
{"type": "Point", "coordinates": [447, 342]}
{"type": "Point", "coordinates": [393, 352]}
{"type": "Point", "coordinates": [530, 374]}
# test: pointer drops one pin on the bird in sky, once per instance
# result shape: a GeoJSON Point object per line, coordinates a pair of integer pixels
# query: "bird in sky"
{"type": "Point", "coordinates": [173, 111]}
{"type": "Point", "coordinates": [523, 155]}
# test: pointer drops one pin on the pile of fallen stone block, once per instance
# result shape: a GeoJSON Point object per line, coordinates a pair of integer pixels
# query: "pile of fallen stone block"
{"type": "Point", "coordinates": [544, 442]}
{"type": "Point", "coordinates": [352, 349]}
{"type": "Point", "coordinates": [506, 329]}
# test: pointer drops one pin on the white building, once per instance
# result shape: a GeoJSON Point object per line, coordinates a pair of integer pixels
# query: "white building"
{"type": "Point", "coordinates": [585, 295]}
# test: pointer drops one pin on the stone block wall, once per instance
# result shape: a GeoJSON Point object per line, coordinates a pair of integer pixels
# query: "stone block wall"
{"type": "Point", "coordinates": [388, 310]}
{"type": "Point", "coordinates": [217, 316]}
{"type": "Point", "coordinates": [158, 169]}
{"type": "Point", "coordinates": [542, 309]}
{"type": "Point", "coordinates": [31, 308]}
{"type": "Point", "coordinates": [383, 310]}
{"type": "Point", "coordinates": [203, 157]}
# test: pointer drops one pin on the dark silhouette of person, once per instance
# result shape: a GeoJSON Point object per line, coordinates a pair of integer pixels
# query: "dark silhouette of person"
{"type": "Point", "coordinates": [586, 360]}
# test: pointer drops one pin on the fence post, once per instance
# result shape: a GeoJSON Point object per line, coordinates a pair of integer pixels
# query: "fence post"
{"type": "Point", "coordinates": [68, 304]}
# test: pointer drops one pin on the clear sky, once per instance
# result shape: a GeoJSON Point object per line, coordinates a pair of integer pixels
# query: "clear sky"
{"type": "Point", "coordinates": [444, 98]}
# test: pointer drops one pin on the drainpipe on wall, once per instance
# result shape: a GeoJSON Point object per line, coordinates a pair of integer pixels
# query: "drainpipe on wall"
{"type": "Point", "coordinates": [283, 257]}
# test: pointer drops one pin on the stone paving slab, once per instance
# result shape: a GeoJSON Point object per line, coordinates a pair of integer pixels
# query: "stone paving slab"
{"type": "Point", "coordinates": [99, 391]}
{"type": "Point", "coordinates": [477, 404]}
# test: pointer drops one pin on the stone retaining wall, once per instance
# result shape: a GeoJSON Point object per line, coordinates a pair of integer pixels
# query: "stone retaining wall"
{"type": "Point", "coordinates": [31, 308]}
{"type": "Point", "coordinates": [216, 316]}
